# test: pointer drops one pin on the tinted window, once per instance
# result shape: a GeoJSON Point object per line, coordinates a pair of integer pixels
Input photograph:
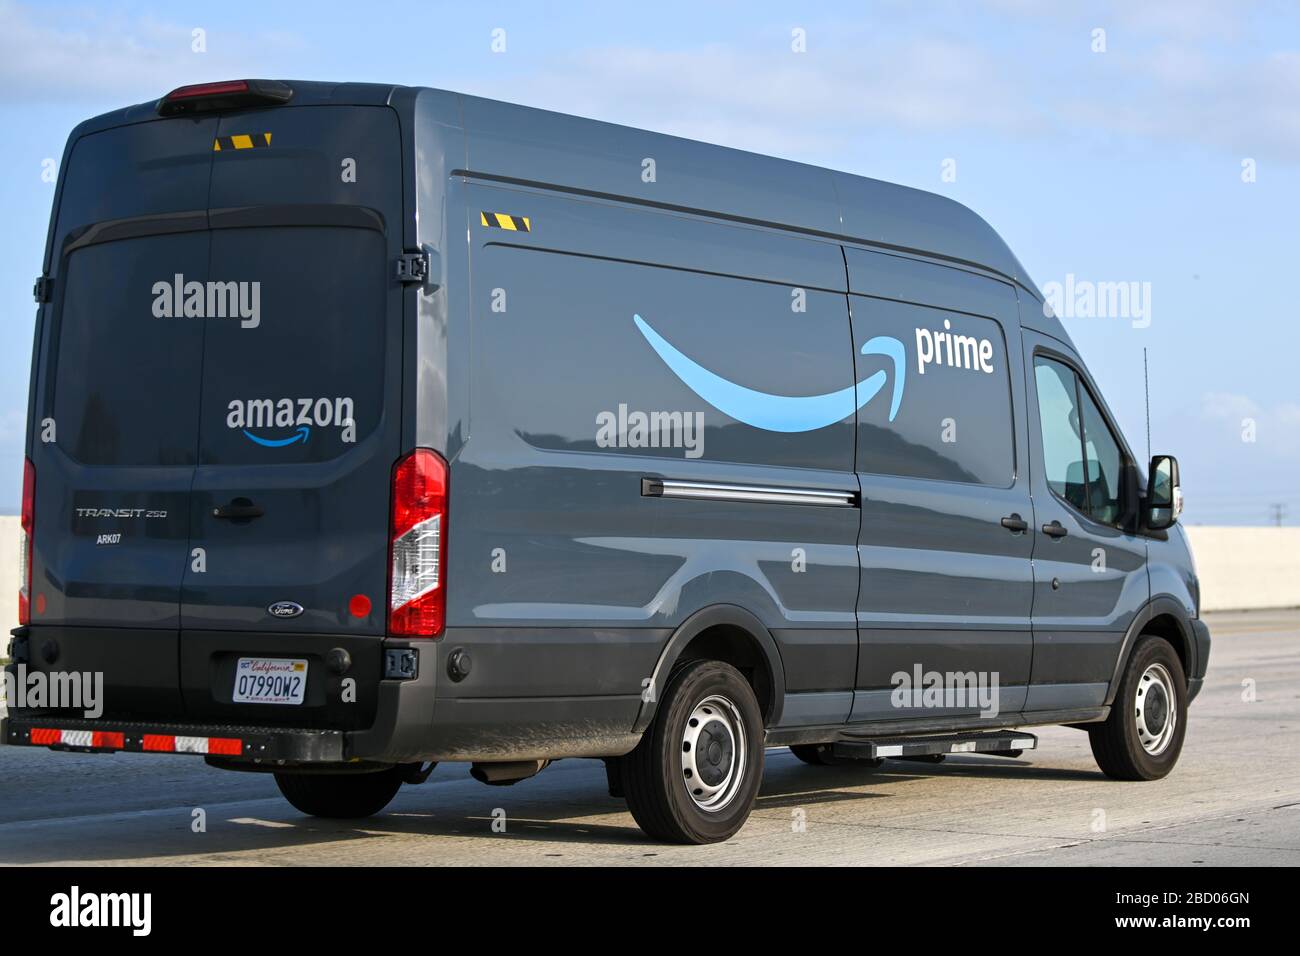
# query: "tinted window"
{"type": "Point", "coordinates": [293, 365]}
{"type": "Point", "coordinates": [126, 379]}
{"type": "Point", "coordinates": [1103, 464]}
{"type": "Point", "coordinates": [591, 372]}
{"type": "Point", "coordinates": [1072, 426]}
{"type": "Point", "coordinates": [1058, 416]}
{"type": "Point", "coordinates": [953, 420]}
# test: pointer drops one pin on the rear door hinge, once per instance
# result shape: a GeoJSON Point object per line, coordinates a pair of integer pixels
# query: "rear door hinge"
{"type": "Point", "coordinates": [413, 267]}
{"type": "Point", "coordinates": [43, 291]}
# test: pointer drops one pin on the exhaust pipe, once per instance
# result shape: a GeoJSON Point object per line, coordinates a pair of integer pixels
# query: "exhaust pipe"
{"type": "Point", "coordinates": [504, 774]}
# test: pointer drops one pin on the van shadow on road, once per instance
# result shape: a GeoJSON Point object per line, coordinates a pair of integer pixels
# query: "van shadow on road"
{"type": "Point", "coordinates": [571, 807]}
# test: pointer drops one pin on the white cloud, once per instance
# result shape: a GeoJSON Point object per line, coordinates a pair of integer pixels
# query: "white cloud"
{"type": "Point", "coordinates": [777, 101]}
{"type": "Point", "coordinates": [1176, 75]}
{"type": "Point", "coordinates": [83, 53]}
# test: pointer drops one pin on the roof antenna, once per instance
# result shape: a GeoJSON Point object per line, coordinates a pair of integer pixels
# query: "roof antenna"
{"type": "Point", "coordinates": [1146, 387]}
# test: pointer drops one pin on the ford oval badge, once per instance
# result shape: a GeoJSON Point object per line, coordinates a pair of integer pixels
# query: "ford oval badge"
{"type": "Point", "coordinates": [284, 609]}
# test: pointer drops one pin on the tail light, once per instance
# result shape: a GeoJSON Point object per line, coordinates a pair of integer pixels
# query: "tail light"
{"type": "Point", "coordinates": [417, 550]}
{"type": "Point", "coordinates": [25, 543]}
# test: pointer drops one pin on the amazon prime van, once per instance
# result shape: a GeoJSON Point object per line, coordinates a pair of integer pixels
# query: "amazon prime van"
{"type": "Point", "coordinates": [373, 427]}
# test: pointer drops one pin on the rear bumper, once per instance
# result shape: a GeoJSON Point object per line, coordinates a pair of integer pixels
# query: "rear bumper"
{"type": "Point", "coordinates": [532, 694]}
{"type": "Point", "coordinates": [273, 745]}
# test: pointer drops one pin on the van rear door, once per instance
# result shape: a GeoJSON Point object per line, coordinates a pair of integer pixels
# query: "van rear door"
{"type": "Point", "coordinates": [299, 413]}
{"type": "Point", "coordinates": [117, 387]}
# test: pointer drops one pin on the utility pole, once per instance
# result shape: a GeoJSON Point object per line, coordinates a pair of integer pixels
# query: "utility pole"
{"type": "Point", "coordinates": [1279, 512]}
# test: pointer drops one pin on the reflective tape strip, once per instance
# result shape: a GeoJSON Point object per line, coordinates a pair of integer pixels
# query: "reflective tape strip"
{"type": "Point", "coordinates": [501, 220]}
{"type": "Point", "coordinates": [156, 743]}
{"type": "Point", "coordinates": [50, 736]}
{"type": "Point", "coordinates": [241, 141]}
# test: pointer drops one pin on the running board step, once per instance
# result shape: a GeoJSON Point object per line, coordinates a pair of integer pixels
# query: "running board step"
{"type": "Point", "coordinates": [1000, 744]}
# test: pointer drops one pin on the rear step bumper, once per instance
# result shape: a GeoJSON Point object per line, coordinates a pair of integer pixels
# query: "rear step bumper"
{"type": "Point", "coordinates": [261, 745]}
{"type": "Point", "coordinates": [1001, 743]}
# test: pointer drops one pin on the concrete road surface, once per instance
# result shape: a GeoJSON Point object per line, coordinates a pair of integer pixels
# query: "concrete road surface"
{"type": "Point", "coordinates": [1234, 799]}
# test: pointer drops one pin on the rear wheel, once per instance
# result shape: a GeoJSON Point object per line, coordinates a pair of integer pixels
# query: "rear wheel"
{"type": "Point", "coordinates": [1143, 736]}
{"type": "Point", "coordinates": [344, 796]}
{"type": "Point", "coordinates": [695, 774]}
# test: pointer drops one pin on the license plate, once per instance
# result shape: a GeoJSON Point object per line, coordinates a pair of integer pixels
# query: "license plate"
{"type": "Point", "coordinates": [269, 680]}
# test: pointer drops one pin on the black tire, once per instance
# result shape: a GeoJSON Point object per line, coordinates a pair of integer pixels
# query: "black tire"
{"type": "Point", "coordinates": [340, 796]}
{"type": "Point", "coordinates": [1117, 743]}
{"type": "Point", "coordinates": [653, 775]}
{"type": "Point", "coordinates": [820, 755]}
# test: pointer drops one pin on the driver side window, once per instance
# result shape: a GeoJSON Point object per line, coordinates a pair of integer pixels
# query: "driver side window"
{"type": "Point", "coordinates": [1074, 432]}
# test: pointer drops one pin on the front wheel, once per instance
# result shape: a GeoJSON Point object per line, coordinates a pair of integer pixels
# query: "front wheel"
{"type": "Point", "coordinates": [343, 796]}
{"type": "Point", "coordinates": [1143, 736]}
{"type": "Point", "coordinates": [695, 774]}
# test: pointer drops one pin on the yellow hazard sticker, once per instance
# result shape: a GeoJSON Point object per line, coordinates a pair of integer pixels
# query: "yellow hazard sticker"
{"type": "Point", "coordinates": [501, 220]}
{"type": "Point", "coordinates": [241, 141]}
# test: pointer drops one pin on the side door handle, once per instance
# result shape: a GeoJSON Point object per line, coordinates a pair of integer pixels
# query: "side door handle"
{"type": "Point", "coordinates": [1055, 530]}
{"type": "Point", "coordinates": [239, 509]}
{"type": "Point", "coordinates": [1015, 524]}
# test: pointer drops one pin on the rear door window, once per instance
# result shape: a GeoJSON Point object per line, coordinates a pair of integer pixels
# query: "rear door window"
{"type": "Point", "coordinates": [298, 366]}
{"type": "Point", "coordinates": [127, 357]}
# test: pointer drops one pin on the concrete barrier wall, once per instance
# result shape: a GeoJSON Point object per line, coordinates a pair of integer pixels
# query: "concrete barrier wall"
{"type": "Point", "coordinates": [1239, 567]}
{"type": "Point", "coordinates": [1244, 568]}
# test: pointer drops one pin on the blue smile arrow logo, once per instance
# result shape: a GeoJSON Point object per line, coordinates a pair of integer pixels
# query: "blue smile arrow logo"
{"type": "Point", "coordinates": [301, 435]}
{"type": "Point", "coordinates": [783, 413]}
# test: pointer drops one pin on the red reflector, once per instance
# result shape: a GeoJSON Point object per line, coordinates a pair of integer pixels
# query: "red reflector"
{"type": "Point", "coordinates": [359, 606]}
{"type": "Point", "coordinates": [208, 89]}
{"type": "Point", "coordinates": [108, 738]}
{"type": "Point", "coordinates": [46, 736]}
{"type": "Point", "coordinates": [164, 743]}
{"type": "Point", "coordinates": [226, 746]}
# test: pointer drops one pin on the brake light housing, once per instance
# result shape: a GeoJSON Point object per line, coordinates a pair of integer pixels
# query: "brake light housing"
{"type": "Point", "coordinates": [26, 530]}
{"type": "Point", "coordinates": [417, 546]}
{"type": "Point", "coordinates": [225, 95]}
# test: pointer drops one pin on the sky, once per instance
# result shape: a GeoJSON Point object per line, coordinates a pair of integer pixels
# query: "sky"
{"type": "Point", "coordinates": [1153, 144]}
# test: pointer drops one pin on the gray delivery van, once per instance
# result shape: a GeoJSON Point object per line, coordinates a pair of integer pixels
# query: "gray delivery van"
{"type": "Point", "coordinates": [372, 427]}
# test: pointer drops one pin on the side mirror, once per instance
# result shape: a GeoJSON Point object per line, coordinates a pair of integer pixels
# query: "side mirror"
{"type": "Point", "coordinates": [1164, 501]}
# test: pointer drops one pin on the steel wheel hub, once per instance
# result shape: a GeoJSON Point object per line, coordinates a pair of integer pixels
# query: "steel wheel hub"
{"type": "Point", "coordinates": [713, 753]}
{"type": "Point", "coordinates": [1156, 716]}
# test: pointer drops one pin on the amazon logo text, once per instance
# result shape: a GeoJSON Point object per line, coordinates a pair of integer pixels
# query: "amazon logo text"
{"type": "Point", "coordinates": [300, 414]}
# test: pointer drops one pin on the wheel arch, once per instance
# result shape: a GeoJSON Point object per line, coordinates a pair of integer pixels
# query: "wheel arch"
{"type": "Point", "coordinates": [729, 633]}
{"type": "Point", "coordinates": [1168, 618]}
